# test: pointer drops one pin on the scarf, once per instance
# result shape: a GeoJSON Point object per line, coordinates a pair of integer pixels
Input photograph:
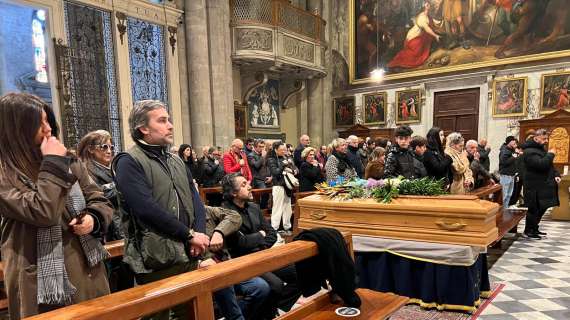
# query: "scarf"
{"type": "Point", "coordinates": [54, 287]}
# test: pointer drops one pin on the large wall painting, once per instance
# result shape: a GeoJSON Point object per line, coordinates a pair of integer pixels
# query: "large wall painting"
{"type": "Point", "coordinates": [374, 108]}
{"type": "Point", "coordinates": [554, 95]}
{"type": "Point", "coordinates": [509, 97]}
{"type": "Point", "coordinates": [344, 111]}
{"type": "Point", "coordinates": [263, 106]}
{"type": "Point", "coordinates": [411, 38]}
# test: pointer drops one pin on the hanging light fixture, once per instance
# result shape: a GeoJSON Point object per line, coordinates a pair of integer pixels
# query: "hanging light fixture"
{"type": "Point", "coordinates": [378, 73]}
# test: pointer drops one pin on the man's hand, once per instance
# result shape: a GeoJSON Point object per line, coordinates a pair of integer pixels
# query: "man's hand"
{"type": "Point", "coordinates": [207, 263]}
{"type": "Point", "coordinates": [198, 244]}
{"type": "Point", "coordinates": [52, 146]}
{"type": "Point", "coordinates": [476, 155]}
{"type": "Point", "coordinates": [553, 151]}
{"type": "Point", "coordinates": [262, 233]}
{"type": "Point", "coordinates": [557, 179]}
{"type": "Point", "coordinates": [217, 242]}
{"type": "Point", "coordinates": [241, 162]}
{"type": "Point", "coordinates": [85, 227]}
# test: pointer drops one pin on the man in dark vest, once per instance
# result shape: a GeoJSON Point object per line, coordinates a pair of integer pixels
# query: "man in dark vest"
{"type": "Point", "coordinates": [162, 214]}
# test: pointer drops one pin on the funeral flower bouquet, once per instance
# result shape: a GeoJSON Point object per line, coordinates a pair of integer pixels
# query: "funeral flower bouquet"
{"type": "Point", "coordinates": [383, 190]}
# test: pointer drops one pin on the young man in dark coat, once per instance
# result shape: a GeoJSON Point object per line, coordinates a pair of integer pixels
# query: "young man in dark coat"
{"type": "Point", "coordinates": [400, 160]}
{"type": "Point", "coordinates": [418, 148]}
{"type": "Point", "coordinates": [540, 182]}
{"type": "Point", "coordinates": [508, 168]}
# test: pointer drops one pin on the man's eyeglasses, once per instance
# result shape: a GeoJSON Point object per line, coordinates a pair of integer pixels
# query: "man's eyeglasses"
{"type": "Point", "coordinates": [106, 147]}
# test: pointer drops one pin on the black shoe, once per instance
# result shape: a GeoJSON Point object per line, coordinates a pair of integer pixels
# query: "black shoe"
{"type": "Point", "coordinates": [541, 233]}
{"type": "Point", "coordinates": [532, 235]}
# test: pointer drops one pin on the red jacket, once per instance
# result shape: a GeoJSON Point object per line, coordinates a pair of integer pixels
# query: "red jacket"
{"type": "Point", "coordinates": [231, 164]}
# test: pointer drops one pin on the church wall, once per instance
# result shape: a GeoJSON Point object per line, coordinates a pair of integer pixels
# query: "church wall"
{"type": "Point", "coordinates": [290, 125]}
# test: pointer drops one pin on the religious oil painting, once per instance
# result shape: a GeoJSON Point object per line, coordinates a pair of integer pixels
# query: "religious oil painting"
{"type": "Point", "coordinates": [408, 106]}
{"type": "Point", "coordinates": [410, 38]}
{"type": "Point", "coordinates": [554, 94]}
{"type": "Point", "coordinates": [240, 121]}
{"type": "Point", "coordinates": [343, 112]}
{"type": "Point", "coordinates": [509, 97]}
{"type": "Point", "coordinates": [263, 106]}
{"type": "Point", "coordinates": [374, 108]}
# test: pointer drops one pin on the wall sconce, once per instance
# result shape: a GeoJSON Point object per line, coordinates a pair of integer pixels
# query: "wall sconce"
{"type": "Point", "coordinates": [121, 26]}
{"type": "Point", "coordinates": [172, 31]}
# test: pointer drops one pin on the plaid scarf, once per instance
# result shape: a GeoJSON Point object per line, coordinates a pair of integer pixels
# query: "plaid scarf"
{"type": "Point", "coordinates": [54, 287]}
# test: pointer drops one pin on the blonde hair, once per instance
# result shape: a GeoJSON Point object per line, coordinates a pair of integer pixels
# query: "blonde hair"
{"type": "Point", "coordinates": [306, 152]}
{"type": "Point", "coordinates": [337, 142]}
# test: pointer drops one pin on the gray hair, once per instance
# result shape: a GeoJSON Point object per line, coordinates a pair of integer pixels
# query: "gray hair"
{"type": "Point", "coordinates": [337, 142]}
{"type": "Point", "coordinates": [139, 116]}
{"type": "Point", "coordinates": [472, 142]}
{"type": "Point", "coordinates": [541, 132]}
{"type": "Point", "coordinates": [454, 138]}
{"type": "Point", "coordinates": [351, 139]}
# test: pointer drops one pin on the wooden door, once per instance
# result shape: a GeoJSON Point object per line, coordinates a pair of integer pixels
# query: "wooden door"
{"type": "Point", "coordinates": [458, 111]}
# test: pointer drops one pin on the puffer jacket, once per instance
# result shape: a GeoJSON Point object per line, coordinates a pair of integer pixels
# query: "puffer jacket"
{"type": "Point", "coordinates": [399, 162]}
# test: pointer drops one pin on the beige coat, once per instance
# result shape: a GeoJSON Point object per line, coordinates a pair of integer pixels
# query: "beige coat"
{"type": "Point", "coordinates": [24, 209]}
{"type": "Point", "coordinates": [461, 171]}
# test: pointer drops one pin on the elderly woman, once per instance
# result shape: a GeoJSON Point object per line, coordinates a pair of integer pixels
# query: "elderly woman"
{"type": "Point", "coordinates": [310, 171]}
{"type": "Point", "coordinates": [462, 176]}
{"type": "Point", "coordinates": [96, 150]}
{"type": "Point", "coordinates": [375, 167]}
{"type": "Point", "coordinates": [52, 213]}
{"type": "Point", "coordinates": [338, 165]}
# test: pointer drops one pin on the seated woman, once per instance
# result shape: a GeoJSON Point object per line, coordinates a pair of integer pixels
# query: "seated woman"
{"type": "Point", "coordinates": [375, 167]}
{"type": "Point", "coordinates": [311, 170]}
{"type": "Point", "coordinates": [52, 212]}
{"type": "Point", "coordinates": [462, 176]}
{"type": "Point", "coordinates": [338, 165]}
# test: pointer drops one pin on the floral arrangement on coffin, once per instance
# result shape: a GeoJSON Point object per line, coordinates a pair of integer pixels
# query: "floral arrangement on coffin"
{"type": "Point", "coordinates": [383, 190]}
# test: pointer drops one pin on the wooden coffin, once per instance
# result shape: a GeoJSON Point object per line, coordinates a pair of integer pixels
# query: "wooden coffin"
{"type": "Point", "coordinates": [463, 220]}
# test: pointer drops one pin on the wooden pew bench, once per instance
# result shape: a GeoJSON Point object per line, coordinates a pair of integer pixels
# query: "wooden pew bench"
{"type": "Point", "coordinates": [196, 287]}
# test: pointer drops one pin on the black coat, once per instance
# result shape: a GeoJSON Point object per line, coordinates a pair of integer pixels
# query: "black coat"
{"type": "Point", "coordinates": [310, 175]}
{"type": "Point", "coordinates": [104, 179]}
{"type": "Point", "coordinates": [212, 173]}
{"type": "Point", "coordinates": [333, 263]}
{"type": "Point", "coordinates": [248, 239]}
{"type": "Point", "coordinates": [399, 162]}
{"type": "Point", "coordinates": [419, 168]}
{"type": "Point", "coordinates": [257, 166]}
{"type": "Point", "coordinates": [540, 188]}
{"type": "Point", "coordinates": [297, 155]}
{"type": "Point", "coordinates": [438, 164]}
{"type": "Point", "coordinates": [355, 160]}
{"type": "Point", "coordinates": [484, 157]}
{"type": "Point", "coordinates": [507, 162]}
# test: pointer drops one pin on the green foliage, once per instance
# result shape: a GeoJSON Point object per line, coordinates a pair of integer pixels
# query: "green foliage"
{"type": "Point", "coordinates": [422, 187]}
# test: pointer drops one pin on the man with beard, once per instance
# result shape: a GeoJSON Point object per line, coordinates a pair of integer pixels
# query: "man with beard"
{"type": "Point", "coordinates": [540, 182]}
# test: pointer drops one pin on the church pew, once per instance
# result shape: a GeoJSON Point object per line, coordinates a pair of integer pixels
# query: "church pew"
{"type": "Point", "coordinates": [196, 287]}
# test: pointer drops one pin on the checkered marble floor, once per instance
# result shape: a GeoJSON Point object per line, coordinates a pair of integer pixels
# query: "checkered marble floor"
{"type": "Point", "coordinates": [536, 274]}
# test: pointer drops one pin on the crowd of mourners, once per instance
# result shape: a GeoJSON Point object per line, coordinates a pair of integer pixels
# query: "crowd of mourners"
{"type": "Point", "coordinates": [60, 206]}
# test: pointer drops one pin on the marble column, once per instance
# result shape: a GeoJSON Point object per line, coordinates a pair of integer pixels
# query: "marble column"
{"type": "Point", "coordinates": [315, 89]}
{"type": "Point", "coordinates": [197, 58]}
{"type": "Point", "coordinates": [328, 131]}
{"type": "Point", "coordinates": [218, 12]}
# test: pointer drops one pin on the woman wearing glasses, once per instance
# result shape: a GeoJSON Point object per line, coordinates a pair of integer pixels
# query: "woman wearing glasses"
{"type": "Point", "coordinates": [52, 214]}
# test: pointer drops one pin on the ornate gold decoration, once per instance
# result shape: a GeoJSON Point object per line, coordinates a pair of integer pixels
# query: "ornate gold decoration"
{"type": "Point", "coordinates": [559, 141]}
{"type": "Point", "coordinates": [450, 226]}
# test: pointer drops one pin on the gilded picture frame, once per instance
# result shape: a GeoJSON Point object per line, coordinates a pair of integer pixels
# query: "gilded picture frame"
{"type": "Point", "coordinates": [343, 112]}
{"type": "Point", "coordinates": [509, 97]}
{"type": "Point", "coordinates": [408, 106]}
{"type": "Point", "coordinates": [554, 92]}
{"type": "Point", "coordinates": [374, 108]}
{"type": "Point", "coordinates": [484, 46]}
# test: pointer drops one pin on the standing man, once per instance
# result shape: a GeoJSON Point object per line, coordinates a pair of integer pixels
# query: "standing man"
{"type": "Point", "coordinates": [418, 146]}
{"type": "Point", "coordinates": [400, 160]}
{"type": "Point", "coordinates": [256, 160]}
{"type": "Point", "coordinates": [304, 141]}
{"type": "Point", "coordinates": [353, 155]}
{"type": "Point", "coordinates": [540, 182]}
{"type": "Point", "coordinates": [484, 151]}
{"type": "Point", "coordinates": [235, 160]}
{"type": "Point", "coordinates": [162, 214]}
{"type": "Point", "coordinates": [508, 168]}
{"type": "Point", "coordinates": [481, 177]}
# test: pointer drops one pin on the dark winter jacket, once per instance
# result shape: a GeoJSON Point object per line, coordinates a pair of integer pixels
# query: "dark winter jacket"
{"type": "Point", "coordinates": [310, 175]}
{"type": "Point", "coordinates": [438, 164]}
{"type": "Point", "coordinates": [333, 263]}
{"type": "Point", "coordinates": [507, 165]}
{"type": "Point", "coordinates": [419, 168]}
{"type": "Point", "coordinates": [481, 176]}
{"type": "Point", "coordinates": [484, 157]}
{"type": "Point", "coordinates": [104, 179]}
{"type": "Point", "coordinates": [248, 239]}
{"type": "Point", "coordinates": [540, 188]}
{"type": "Point", "coordinates": [399, 162]}
{"type": "Point", "coordinates": [297, 155]}
{"type": "Point", "coordinates": [212, 173]}
{"type": "Point", "coordinates": [258, 167]}
{"type": "Point", "coordinates": [353, 156]}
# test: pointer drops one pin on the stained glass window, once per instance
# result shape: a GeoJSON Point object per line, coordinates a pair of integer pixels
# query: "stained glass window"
{"type": "Point", "coordinates": [38, 40]}
{"type": "Point", "coordinates": [148, 61]}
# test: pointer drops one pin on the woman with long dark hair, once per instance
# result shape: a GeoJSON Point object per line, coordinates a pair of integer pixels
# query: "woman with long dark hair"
{"type": "Point", "coordinates": [437, 163]}
{"type": "Point", "coordinates": [186, 153]}
{"type": "Point", "coordinates": [51, 212]}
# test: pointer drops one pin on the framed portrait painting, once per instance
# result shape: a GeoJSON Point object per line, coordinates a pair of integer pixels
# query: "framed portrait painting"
{"type": "Point", "coordinates": [401, 36]}
{"type": "Point", "coordinates": [408, 106]}
{"type": "Point", "coordinates": [509, 97]}
{"type": "Point", "coordinates": [343, 110]}
{"type": "Point", "coordinates": [554, 92]}
{"type": "Point", "coordinates": [374, 106]}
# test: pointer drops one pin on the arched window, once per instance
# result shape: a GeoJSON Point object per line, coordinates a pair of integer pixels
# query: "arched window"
{"type": "Point", "coordinates": [38, 42]}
